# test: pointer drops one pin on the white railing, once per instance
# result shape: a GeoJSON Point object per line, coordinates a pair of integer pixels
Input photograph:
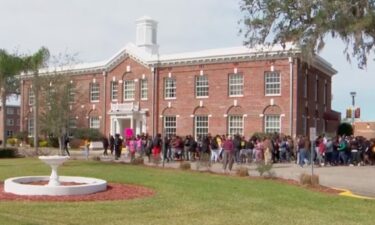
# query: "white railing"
{"type": "Point", "coordinates": [128, 106]}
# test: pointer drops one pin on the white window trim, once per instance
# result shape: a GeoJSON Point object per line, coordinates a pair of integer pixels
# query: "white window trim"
{"type": "Point", "coordinates": [112, 91]}
{"type": "Point", "coordinates": [91, 120]}
{"type": "Point", "coordinates": [141, 89]}
{"type": "Point", "coordinates": [265, 122]}
{"type": "Point", "coordinates": [228, 124]}
{"type": "Point", "coordinates": [91, 95]}
{"type": "Point", "coordinates": [229, 85]}
{"type": "Point", "coordinates": [196, 87]}
{"type": "Point", "coordinates": [195, 125]}
{"type": "Point", "coordinates": [164, 122]}
{"type": "Point", "coordinates": [165, 88]}
{"type": "Point", "coordinates": [265, 84]}
{"type": "Point", "coordinates": [129, 99]}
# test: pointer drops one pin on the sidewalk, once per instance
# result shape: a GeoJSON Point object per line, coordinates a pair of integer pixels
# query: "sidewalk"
{"type": "Point", "coordinates": [359, 180]}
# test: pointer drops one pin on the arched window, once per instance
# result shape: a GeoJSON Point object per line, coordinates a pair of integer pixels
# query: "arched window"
{"type": "Point", "coordinates": [272, 119]}
{"type": "Point", "coordinates": [235, 120]}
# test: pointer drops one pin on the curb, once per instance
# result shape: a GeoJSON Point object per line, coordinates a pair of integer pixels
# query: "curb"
{"type": "Point", "coordinates": [348, 193]}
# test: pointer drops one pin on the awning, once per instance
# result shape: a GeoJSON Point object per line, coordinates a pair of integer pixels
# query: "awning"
{"type": "Point", "coordinates": [332, 115]}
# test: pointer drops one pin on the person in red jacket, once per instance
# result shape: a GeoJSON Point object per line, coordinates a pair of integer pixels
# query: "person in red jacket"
{"type": "Point", "coordinates": [228, 153]}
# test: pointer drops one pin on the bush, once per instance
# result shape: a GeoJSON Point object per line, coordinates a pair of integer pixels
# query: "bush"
{"type": "Point", "coordinates": [87, 133]}
{"type": "Point", "coordinates": [263, 168]}
{"type": "Point", "coordinates": [137, 161]}
{"type": "Point", "coordinates": [185, 165]}
{"type": "Point", "coordinates": [22, 136]}
{"type": "Point", "coordinates": [76, 143]}
{"type": "Point", "coordinates": [12, 141]}
{"type": "Point", "coordinates": [242, 171]}
{"type": "Point", "coordinates": [43, 143]}
{"type": "Point", "coordinates": [307, 179]}
{"type": "Point", "coordinates": [53, 142]}
{"type": "Point", "coordinates": [8, 152]}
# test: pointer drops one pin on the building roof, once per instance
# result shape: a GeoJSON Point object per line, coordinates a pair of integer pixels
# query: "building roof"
{"type": "Point", "coordinates": [220, 55]}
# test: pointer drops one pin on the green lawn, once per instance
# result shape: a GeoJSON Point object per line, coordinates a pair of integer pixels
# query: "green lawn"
{"type": "Point", "coordinates": [182, 198]}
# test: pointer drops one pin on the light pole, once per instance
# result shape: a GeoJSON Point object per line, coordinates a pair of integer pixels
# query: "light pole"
{"type": "Point", "coordinates": [353, 94]}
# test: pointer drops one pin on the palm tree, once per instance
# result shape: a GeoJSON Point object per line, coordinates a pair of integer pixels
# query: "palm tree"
{"type": "Point", "coordinates": [10, 65]}
{"type": "Point", "coordinates": [32, 64]}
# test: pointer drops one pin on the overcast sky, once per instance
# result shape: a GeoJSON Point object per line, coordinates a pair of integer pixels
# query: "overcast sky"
{"type": "Point", "coordinates": [97, 29]}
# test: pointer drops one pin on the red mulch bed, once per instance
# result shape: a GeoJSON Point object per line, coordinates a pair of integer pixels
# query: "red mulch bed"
{"type": "Point", "coordinates": [114, 192]}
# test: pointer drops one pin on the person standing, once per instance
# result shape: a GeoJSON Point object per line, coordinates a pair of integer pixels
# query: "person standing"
{"type": "Point", "coordinates": [105, 145]}
{"type": "Point", "coordinates": [111, 143]}
{"type": "Point", "coordinates": [117, 146]}
{"type": "Point", "coordinates": [87, 148]}
{"type": "Point", "coordinates": [66, 143]}
{"type": "Point", "coordinates": [228, 153]}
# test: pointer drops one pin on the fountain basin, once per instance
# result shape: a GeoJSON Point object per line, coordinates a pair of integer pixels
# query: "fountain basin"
{"type": "Point", "coordinates": [23, 186]}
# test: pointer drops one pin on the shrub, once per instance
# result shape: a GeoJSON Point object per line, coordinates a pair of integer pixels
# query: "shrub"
{"type": "Point", "coordinates": [87, 133]}
{"type": "Point", "coordinates": [242, 171]}
{"type": "Point", "coordinates": [185, 165]}
{"type": "Point", "coordinates": [12, 141]}
{"type": "Point", "coordinates": [76, 143]}
{"type": "Point", "coordinates": [263, 168]}
{"type": "Point", "coordinates": [8, 152]}
{"type": "Point", "coordinates": [43, 143]}
{"type": "Point", "coordinates": [53, 142]}
{"type": "Point", "coordinates": [137, 161]}
{"type": "Point", "coordinates": [22, 136]}
{"type": "Point", "coordinates": [307, 179]}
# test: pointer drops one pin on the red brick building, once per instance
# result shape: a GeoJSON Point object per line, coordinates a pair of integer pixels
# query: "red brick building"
{"type": "Point", "coordinates": [12, 122]}
{"type": "Point", "coordinates": [219, 91]}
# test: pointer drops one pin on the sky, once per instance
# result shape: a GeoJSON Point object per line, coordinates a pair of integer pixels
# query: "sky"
{"type": "Point", "coordinates": [97, 29]}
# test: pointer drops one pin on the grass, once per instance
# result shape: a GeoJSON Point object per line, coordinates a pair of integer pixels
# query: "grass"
{"type": "Point", "coordinates": [182, 197]}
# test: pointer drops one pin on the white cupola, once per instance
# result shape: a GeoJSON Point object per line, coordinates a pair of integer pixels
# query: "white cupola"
{"type": "Point", "coordinates": [147, 34]}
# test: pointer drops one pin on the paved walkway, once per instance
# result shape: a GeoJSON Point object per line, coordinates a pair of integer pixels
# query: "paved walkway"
{"type": "Point", "coordinates": [359, 180]}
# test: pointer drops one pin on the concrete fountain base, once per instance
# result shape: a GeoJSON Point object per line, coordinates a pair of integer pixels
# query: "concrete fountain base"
{"type": "Point", "coordinates": [24, 186]}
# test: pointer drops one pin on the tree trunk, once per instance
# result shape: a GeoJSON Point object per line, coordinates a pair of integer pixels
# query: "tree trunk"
{"type": "Point", "coordinates": [36, 117]}
{"type": "Point", "coordinates": [3, 104]}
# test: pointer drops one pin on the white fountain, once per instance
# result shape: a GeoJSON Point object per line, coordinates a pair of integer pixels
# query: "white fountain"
{"type": "Point", "coordinates": [76, 185]}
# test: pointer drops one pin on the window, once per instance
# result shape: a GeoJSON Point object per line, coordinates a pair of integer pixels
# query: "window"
{"type": "Point", "coordinates": [169, 88]}
{"type": "Point", "coordinates": [114, 90]}
{"type": "Point", "coordinates": [317, 89]}
{"type": "Point", "coordinates": [144, 89]}
{"type": "Point", "coordinates": [71, 93]}
{"type": "Point", "coordinates": [305, 86]}
{"type": "Point", "coordinates": [170, 125]}
{"type": "Point", "coordinates": [304, 124]}
{"type": "Point", "coordinates": [30, 127]}
{"type": "Point", "coordinates": [235, 125]}
{"type": "Point", "coordinates": [10, 122]}
{"type": "Point", "coordinates": [325, 97]}
{"type": "Point", "coordinates": [201, 86]}
{"type": "Point", "coordinates": [18, 111]}
{"type": "Point", "coordinates": [31, 97]}
{"type": "Point", "coordinates": [10, 111]}
{"type": "Point", "coordinates": [235, 85]}
{"type": "Point", "coordinates": [9, 133]}
{"type": "Point", "coordinates": [72, 123]}
{"type": "Point", "coordinates": [201, 126]}
{"type": "Point", "coordinates": [94, 122]}
{"type": "Point", "coordinates": [94, 92]}
{"type": "Point", "coordinates": [272, 124]}
{"type": "Point", "coordinates": [272, 83]}
{"type": "Point", "coordinates": [129, 89]}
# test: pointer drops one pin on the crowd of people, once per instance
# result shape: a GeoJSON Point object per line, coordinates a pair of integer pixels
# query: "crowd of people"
{"type": "Point", "coordinates": [227, 149]}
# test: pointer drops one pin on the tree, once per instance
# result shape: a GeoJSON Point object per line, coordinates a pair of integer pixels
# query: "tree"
{"type": "Point", "coordinates": [308, 22]}
{"type": "Point", "coordinates": [32, 64]}
{"type": "Point", "coordinates": [10, 65]}
{"type": "Point", "coordinates": [345, 129]}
